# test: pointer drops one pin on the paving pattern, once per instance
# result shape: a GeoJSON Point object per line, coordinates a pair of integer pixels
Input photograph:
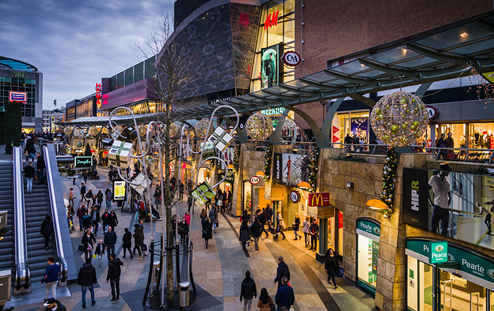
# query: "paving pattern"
{"type": "Point", "coordinates": [218, 271]}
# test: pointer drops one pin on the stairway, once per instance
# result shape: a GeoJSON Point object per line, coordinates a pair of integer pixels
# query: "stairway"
{"type": "Point", "coordinates": [7, 204]}
{"type": "Point", "coordinates": [37, 206]}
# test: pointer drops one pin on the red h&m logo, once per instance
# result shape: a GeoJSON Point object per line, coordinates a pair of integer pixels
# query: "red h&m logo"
{"type": "Point", "coordinates": [98, 90]}
{"type": "Point", "coordinates": [271, 20]}
{"type": "Point", "coordinates": [244, 20]}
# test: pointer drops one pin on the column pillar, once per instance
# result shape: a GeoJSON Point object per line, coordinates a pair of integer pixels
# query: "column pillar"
{"type": "Point", "coordinates": [323, 240]}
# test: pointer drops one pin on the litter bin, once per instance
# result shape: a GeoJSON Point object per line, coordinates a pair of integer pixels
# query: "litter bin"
{"type": "Point", "coordinates": [184, 294]}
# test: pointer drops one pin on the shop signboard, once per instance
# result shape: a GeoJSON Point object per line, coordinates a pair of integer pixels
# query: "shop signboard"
{"type": "Point", "coordinates": [83, 162]}
{"type": "Point", "coordinates": [473, 266]}
{"type": "Point", "coordinates": [291, 169]}
{"type": "Point", "coordinates": [119, 190]}
{"type": "Point", "coordinates": [438, 252]}
{"type": "Point", "coordinates": [203, 193]}
{"type": "Point", "coordinates": [369, 229]}
{"type": "Point", "coordinates": [20, 97]}
{"type": "Point", "coordinates": [291, 58]}
{"type": "Point", "coordinates": [270, 66]}
{"type": "Point", "coordinates": [255, 180]}
{"type": "Point", "coordinates": [432, 112]}
{"type": "Point", "coordinates": [294, 196]}
{"type": "Point", "coordinates": [449, 203]}
{"type": "Point", "coordinates": [230, 176]}
{"type": "Point", "coordinates": [318, 199]}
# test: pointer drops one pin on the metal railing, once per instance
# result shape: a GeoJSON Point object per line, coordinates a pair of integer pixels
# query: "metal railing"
{"type": "Point", "coordinates": [56, 220]}
{"type": "Point", "coordinates": [22, 282]}
{"type": "Point", "coordinates": [463, 154]}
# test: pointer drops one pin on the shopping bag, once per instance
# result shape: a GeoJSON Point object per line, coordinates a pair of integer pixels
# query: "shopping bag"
{"type": "Point", "coordinates": [94, 255]}
{"type": "Point", "coordinates": [144, 247]}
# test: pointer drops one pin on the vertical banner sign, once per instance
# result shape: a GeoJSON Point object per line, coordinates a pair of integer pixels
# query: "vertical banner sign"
{"type": "Point", "coordinates": [270, 66]}
{"type": "Point", "coordinates": [277, 165]}
{"type": "Point", "coordinates": [415, 198]}
{"type": "Point", "coordinates": [119, 190]}
{"type": "Point", "coordinates": [438, 252]}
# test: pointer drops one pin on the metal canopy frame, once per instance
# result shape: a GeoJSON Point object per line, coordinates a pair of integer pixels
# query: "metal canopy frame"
{"type": "Point", "coordinates": [441, 56]}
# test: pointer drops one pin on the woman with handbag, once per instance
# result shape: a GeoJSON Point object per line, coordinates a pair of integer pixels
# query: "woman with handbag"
{"type": "Point", "coordinates": [279, 224]}
{"type": "Point", "coordinates": [87, 240]}
{"type": "Point", "coordinates": [207, 230]}
{"type": "Point", "coordinates": [113, 220]}
{"type": "Point", "coordinates": [244, 235]}
{"type": "Point", "coordinates": [265, 302]}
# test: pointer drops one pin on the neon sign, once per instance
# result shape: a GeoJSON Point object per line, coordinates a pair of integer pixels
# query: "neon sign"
{"type": "Point", "coordinates": [271, 20]}
{"type": "Point", "coordinates": [98, 95]}
{"type": "Point", "coordinates": [244, 20]}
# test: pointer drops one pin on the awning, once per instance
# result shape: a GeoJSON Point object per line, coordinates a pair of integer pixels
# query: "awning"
{"type": "Point", "coordinates": [444, 55]}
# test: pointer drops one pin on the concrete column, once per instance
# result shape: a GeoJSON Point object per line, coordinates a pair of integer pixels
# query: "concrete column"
{"type": "Point", "coordinates": [323, 239]}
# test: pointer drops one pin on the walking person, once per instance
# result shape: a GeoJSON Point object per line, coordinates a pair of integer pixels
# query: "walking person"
{"type": "Point", "coordinates": [203, 216]}
{"type": "Point", "coordinates": [86, 220]}
{"type": "Point", "coordinates": [213, 216]}
{"type": "Point", "coordinates": [41, 167]}
{"type": "Point", "coordinates": [244, 235]}
{"type": "Point", "coordinates": [109, 198]}
{"type": "Point", "coordinates": [331, 266]}
{"type": "Point", "coordinates": [105, 218]}
{"type": "Point", "coordinates": [138, 239]}
{"type": "Point", "coordinates": [95, 218]}
{"type": "Point", "coordinates": [109, 241]}
{"type": "Point", "coordinates": [72, 196]}
{"type": "Point", "coordinates": [89, 197]}
{"type": "Point", "coordinates": [190, 199]}
{"type": "Point", "coordinates": [113, 220]}
{"type": "Point", "coordinates": [183, 229]}
{"type": "Point", "coordinates": [207, 230]}
{"type": "Point", "coordinates": [282, 271]}
{"type": "Point", "coordinates": [306, 230]}
{"type": "Point", "coordinates": [87, 240]}
{"type": "Point", "coordinates": [83, 192]}
{"type": "Point", "coordinates": [279, 224]}
{"type": "Point", "coordinates": [81, 210]}
{"type": "Point", "coordinates": [53, 304]}
{"type": "Point", "coordinates": [86, 279]}
{"type": "Point", "coordinates": [248, 291]}
{"type": "Point", "coordinates": [256, 232]}
{"type": "Point", "coordinates": [269, 217]}
{"type": "Point", "coordinates": [296, 226]}
{"type": "Point", "coordinates": [50, 278]}
{"type": "Point", "coordinates": [265, 301]}
{"type": "Point", "coordinates": [113, 277]}
{"type": "Point", "coordinates": [127, 242]}
{"type": "Point", "coordinates": [99, 252]}
{"type": "Point", "coordinates": [314, 233]}
{"type": "Point", "coordinates": [29, 174]}
{"type": "Point", "coordinates": [47, 230]}
{"type": "Point", "coordinates": [31, 150]}
{"type": "Point", "coordinates": [262, 221]}
{"type": "Point", "coordinates": [99, 197]}
{"type": "Point", "coordinates": [284, 297]}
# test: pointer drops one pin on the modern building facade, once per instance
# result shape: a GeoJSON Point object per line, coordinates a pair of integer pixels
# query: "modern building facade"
{"type": "Point", "coordinates": [20, 81]}
{"type": "Point", "coordinates": [79, 108]}
{"type": "Point", "coordinates": [46, 120]}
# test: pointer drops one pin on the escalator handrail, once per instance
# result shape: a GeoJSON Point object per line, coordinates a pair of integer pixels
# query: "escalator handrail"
{"type": "Point", "coordinates": [56, 221]}
{"type": "Point", "coordinates": [22, 274]}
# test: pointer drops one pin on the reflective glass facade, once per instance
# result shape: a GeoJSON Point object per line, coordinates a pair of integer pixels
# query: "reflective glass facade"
{"type": "Point", "coordinates": [8, 84]}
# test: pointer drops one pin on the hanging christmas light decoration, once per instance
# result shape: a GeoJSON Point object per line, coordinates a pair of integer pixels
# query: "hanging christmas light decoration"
{"type": "Point", "coordinates": [93, 130]}
{"type": "Point", "coordinates": [142, 130]}
{"type": "Point", "coordinates": [68, 130]}
{"type": "Point", "coordinates": [259, 126]}
{"type": "Point", "coordinates": [399, 118]}
{"type": "Point", "coordinates": [202, 127]}
{"type": "Point", "coordinates": [173, 130]}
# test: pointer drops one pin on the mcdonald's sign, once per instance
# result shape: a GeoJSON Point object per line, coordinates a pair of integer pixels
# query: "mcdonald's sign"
{"type": "Point", "coordinates": [319, 199]}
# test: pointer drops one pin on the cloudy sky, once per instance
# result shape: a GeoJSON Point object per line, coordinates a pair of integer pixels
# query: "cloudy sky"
{"type": "Point", "coordinates": [75, 43]}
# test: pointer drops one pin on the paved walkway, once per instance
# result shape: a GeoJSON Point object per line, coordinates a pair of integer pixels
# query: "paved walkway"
{"type": "Point", "coordinates": [218, 270]}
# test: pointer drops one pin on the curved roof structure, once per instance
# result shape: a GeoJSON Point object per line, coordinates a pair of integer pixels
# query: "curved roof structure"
{"type": "Point", "coordinates": [14, 64]}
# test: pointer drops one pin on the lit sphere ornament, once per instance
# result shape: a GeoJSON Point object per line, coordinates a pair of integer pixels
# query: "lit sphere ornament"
{"type": "Point", "coordinates": [173, 130]}
{"type": "Point", "coordinates": [142, 130]}
{"type": "Point", "coordinates": [202, 127]}
{"type": "Point", "coordinates": [399, 118]}
{"type": "Point", "coordinates": [259, 126]}
{"type": "Point", "coordinates": [93, 130]}
{"type": "Point", "coordinates": [68, 130]}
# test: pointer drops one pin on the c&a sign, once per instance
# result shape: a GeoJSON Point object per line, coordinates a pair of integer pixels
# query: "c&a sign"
{"type": "Point", "coordinates": [318, 199]}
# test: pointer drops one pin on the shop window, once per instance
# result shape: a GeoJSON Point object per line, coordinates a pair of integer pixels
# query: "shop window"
{"type": "Point", "coordinates": [456, 293]}
{"type": "Point", "coordinates": [368, 255]}
{"type": "Point", "coordinates": [354, 123]}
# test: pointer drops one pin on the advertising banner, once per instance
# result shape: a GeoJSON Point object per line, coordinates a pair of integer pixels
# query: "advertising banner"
{"type": "Point", "coordinates": [119, 190]}
{"type": "Point", "coordinates": [83, 162]}
{"type": "Point", "coordinates": [452, 204]}
{"type": "Point", "coordinates": [230, 176]}
{"type": "Point", "coordinates": [369, 229]}
{"type": "Point", "coordinates": [270, 66]}
{"type": "Point", "coordinates": [203, 193]}
{"type": "Point", "coordinates": [290, 169]}
{"type": "Point", "coordinates": [20, 97]}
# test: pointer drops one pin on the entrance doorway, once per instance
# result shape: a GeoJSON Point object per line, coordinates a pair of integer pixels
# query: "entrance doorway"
{"type": "Point", "coordinates": [459, 294]}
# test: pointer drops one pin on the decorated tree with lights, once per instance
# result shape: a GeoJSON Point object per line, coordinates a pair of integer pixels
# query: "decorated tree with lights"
{"type": "Point", "coordinates": [268, 156]}
{"type": "Point", "coordinates": [313, 168]}
{"type": "Point", "coordinates": [389, 178]}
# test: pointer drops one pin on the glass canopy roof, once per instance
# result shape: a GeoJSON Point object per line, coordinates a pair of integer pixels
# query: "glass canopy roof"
{"type": "Point", "coordinates": [16, 64]}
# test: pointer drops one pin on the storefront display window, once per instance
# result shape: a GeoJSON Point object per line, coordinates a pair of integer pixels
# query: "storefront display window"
{"type": "Point", "coordinates": [466, 135]}
{"type": "Point", "coordinates": [354, 123]}
{"type": "Point", "coordinates": [368, 237]}
{"type": "Point", "coordinates": [247, 206]}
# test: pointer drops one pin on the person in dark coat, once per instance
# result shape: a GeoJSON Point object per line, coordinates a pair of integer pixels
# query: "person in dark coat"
{"type": "Point", "coordinates": [114, 277]}
{"type": "Point", "coordinates": [296, 227]}
{"type": "Point", "coordinates": [31, 150]}
{"type": "Point", "coordinates": [105, 219]}
{"type": "Point", "coordinates": [282, 271]}
{"type": "Point", "coordinates": [263, 218]}
{"type": "Point", "coordinates": [113, 220]}
{"type": "Point", "coordinates": [127, 242]}
{"type": "Point", "coordinates": [138, 239]}
{"type": "Point", "coordinates": [183, 229]}
{"type": "Point", "coordinates": [88, 240]}
{"type": "Point", "coordinates": [95, 218]}
{"type": "Point", "coordinates": [244, 235]}
{"type": "Point", "coordinates": [314, 234]}
{"type": "Point", "coordinates": [284, 297]}
{"type": "Point", "coordinates": [86, 220]}
{"type": "Point", "coordinates": [47, 230]}
{"type": "Point", "coordinates": [83, 192]}
{"type": "Point", "coordinates": [53, 304]}
{"type": "Point", "coordinates": [29, 172]}
{"type": "Point", "coordinates": [207, 230]}
{"type": "Point", "coordinates": [40, 166]}
{"type": "Point", "coordinates": [248, 291]}
{"type": "Point", "coordinates": [256, 232]}
{"type": "Point", "coordinates": [331, 266]}
{"type": "Point", "coordinates": [109, 241]}
{"type": "Point", "coordinates": [86, 279]}
{"type": "Point", "coordinates": [99, 197]}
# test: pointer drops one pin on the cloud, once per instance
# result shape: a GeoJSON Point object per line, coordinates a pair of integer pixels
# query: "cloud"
{"type": "Point", "coordinates": [76, 43]}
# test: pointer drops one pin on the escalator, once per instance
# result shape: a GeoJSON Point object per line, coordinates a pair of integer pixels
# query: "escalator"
{"type": "Point", "coordinates": [6, 204]}
{"type": "Point", "coordinates": [37, 206]}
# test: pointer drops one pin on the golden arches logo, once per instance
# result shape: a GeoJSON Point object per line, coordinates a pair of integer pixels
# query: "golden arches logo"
{"type": "Point", "coordinates": [316, 198]}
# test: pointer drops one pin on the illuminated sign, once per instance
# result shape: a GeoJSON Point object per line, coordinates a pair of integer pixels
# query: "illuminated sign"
{"type": "Point", "coordinates": [438, 252]}
{"type": "Point", "coordinates": [432, 112]}
{"type": "Point", "coordinates": [98, 95]}
{"type": "Point", "coordinates": [269, 66]}
{"type": "Point", "coordinates": [255, 180]}
{"type": "Point", "coordinates": [20, 97]}
{"type": "Point", "coordinates": [244, 20]}
{"type": "Point", "coordinates": [294, 196]}
{"type": "Point", "coordinates": [291, 58]}
{"type": "Point", "coordinates": [83, 162]}
{"type": "Point", "coordinates": [273, 111]}
{"type": "Point", "coordinates": [271, 20]}
{"type": "Point", "coordinates": [318, 199]}
{"type": "Point", "coordinates": [119, 190]}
